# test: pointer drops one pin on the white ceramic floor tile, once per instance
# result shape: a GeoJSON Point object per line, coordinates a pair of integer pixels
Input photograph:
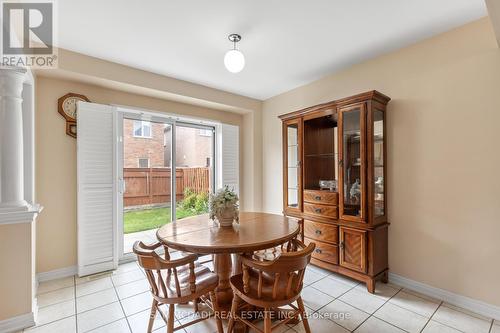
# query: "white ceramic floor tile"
{"type": "Point", "coordinates": [92, 301]}
{"type": "Point", "coordinates": [139, 321]}
{"type": "Point", "coordinates": [311, 276]}
{"type": "Point", "coordinates": [52, 285]}
{"type": "Point", "coordinates": [344, 279]}
{"type": "Point", "coordinates": [470, 313]}
{"type": "Point", "coordinates": [120, 326]}
{"type": "Point", "coordinates": [137, 303]}
{"type": "Point", "coordinates": [99, 317]}
{"type": "Point", "coordinates": [402, 318]}
{"type": "Point", "coordinates": [132, 288]}
{"type": "Point", "coordinates": [121, 279]}
{"type": "Point", "coordinates": [321, 325]}
{"type": "Point", "coordinates": [319, 270]}
{"type": "Point", "coordinates": [128, 267]}
{"type": "Point", "coordinates": [382, 290]}
{"type": "Point", "coordinates": [332, 287]}
{"type": "Point", "coordinates": [184, 310]}
{"type": "Point", "coordinates": [435, 327]}
{"type": "Point", "coordinates": [461, 321]}
{"type": "Point", "coordinates": [55, 312]}
{"type": "Point", "coordinates": [375, 325]}
{"type": "Point", "coordinates": [280, 329]}
{"type": "Point", "coordinates": [423, 306]}
{"type": "Point", "coordinates": [315, 299]}
{"type": "Point", "coordinates": [208, 326]}
{"type": "Point", "coordinates": [56, 296]}
{"type": "Point", "coordinates": [66, 325]}
{"type": "Point", "coordinates": [90, 287]}
{"type": "Point", "coordinates": [362, 300]}
{"type": "Point", "coordinates": [344, 314]}
{"type": "Point", "coordinates": [95, 277]}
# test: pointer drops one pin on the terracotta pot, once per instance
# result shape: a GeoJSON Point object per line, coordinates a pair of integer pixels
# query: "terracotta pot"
{"type": "Point", "coordinates": [226, 217]}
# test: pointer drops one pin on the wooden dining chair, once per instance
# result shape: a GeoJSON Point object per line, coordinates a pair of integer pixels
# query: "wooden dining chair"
{"type": "Point", "coordinates": [272, 284]}
{"type": "Point", "coordinates": [177, 281]}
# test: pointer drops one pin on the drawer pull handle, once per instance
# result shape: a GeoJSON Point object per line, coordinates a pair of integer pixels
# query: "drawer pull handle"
{"type": "Point", "coordinates": [318, 251]}
{"type": "Point", "coordinates": [317, 210]}
{"type": "Point", "coordinates": [318, 197]}
{"type": "Point", "coordinates": [318, 232]}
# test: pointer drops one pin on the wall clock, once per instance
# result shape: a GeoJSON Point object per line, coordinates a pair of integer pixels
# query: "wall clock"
{"type": "Point", "coordinates": [67, 107]}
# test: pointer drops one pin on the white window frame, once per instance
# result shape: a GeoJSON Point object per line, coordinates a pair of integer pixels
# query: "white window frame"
{"type": "Point", "coordinates": [143, 158]}
{"type": "Point", "coordinates": [143, 124]}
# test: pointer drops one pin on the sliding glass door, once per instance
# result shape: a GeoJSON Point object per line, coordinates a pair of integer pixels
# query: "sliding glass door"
{"type": "Point", "coordinates": [147, 186]}
{"type": "Point", "coordinates": [152, 192]}
{"type": "Point", "coordinates": [194, 161]}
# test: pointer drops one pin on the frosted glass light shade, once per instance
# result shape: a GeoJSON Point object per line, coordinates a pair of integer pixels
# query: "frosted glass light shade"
{"type": "Point", "coordinates": [234, 61]}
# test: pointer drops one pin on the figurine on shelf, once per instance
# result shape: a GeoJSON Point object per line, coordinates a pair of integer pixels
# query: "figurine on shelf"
{"type": "Point", "coordinates": [379, 185]}
{"type": "Point", "coordinates": [355, 191]}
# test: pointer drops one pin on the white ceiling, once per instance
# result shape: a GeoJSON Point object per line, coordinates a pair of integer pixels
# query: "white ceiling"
{"type": "Point", "coordinates": [287, 43]}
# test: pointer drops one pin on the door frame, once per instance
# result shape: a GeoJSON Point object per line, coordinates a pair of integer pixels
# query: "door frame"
{"type": "Point", "coordinates": [127, 113]}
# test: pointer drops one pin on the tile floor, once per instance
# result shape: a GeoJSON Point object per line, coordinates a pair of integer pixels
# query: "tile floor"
{"type": "Point", "coordinates": [120, 301]}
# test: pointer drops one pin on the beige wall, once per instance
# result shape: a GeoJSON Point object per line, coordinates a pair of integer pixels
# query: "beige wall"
{"type": "Point", "coordinates": [56, 161]}
{"type": "Point", "coordinates": [443, 156]}
{"type": "Point", "coordinates": [16, 274]}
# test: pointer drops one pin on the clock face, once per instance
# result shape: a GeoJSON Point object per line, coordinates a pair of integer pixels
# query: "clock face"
{"type": "Point", "coordinates": [69, 106]}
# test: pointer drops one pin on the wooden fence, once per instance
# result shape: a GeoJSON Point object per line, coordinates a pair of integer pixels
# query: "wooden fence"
{"type": "Point", "coordinates": [147, 186]}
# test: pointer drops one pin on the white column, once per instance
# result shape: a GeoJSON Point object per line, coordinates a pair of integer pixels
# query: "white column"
{"type": "Point", "coordinates": [11, 139]}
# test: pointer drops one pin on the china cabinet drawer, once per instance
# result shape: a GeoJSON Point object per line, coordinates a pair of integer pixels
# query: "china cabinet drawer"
{"type": "Point", "coordinates": [321, 197]}
{"type": "Point", "coordinates": [325, 252]}
{"type": "Point", "coordinates": [321, 210]}
{"type": "Point", "coordinates": [321, 231]}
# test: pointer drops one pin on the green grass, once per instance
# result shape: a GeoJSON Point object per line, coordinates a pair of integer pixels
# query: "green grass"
{"type": "Point", "coordinates": [147, 219]}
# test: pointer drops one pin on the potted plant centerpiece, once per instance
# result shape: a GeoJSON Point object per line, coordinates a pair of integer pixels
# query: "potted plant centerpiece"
{"type": "Point", "coordinates": [223, 205]}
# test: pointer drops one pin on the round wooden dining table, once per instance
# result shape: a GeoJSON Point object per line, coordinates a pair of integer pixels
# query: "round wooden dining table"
{"type": "Point", "coordinates": [200, 235]}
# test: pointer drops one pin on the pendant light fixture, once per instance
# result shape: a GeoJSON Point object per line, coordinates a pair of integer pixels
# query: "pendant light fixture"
{"type": "Point", "coordinates": [234, 60]}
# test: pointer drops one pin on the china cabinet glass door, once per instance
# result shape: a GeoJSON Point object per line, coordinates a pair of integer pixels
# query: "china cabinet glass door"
{"type": "Point", "coordinates": [352, 161]}
{"type": "Point", "coordinates": [378, 163]}
{"type": "Point", "coordinates": [292, 182]}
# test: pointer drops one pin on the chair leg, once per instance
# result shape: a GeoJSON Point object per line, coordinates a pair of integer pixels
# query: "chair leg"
{"type": "Point", "coordinates": [232, 317]}
{"type": "Point", "coordinates": [303, 315]}
{"type": "Point", "coordinates": [171, 318]}
{"type": "Point", "coordinates": [195, 305]}
{"type": "Point", "coordinates": [267, 321]}
{"type": "Point", "coordinates": [217, 313]}
{"type": "Point", "coordinates": [152, 315]}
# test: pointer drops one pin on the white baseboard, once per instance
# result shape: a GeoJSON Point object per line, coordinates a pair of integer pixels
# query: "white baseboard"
{"type": "Point", "coordinates": [56, 274]}
{"type": "Point", "coordinates": [17, 323]}
{"type": "Point", "coordinates": [476, 306]}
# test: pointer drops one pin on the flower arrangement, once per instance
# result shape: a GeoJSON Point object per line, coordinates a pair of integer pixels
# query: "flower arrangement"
{"type": "Point", "coordinates": [223, 205]}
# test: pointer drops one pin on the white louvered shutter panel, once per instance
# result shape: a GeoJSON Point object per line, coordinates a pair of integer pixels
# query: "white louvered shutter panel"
{"type": "Point", "coordinates": [96, 193]}
{"type": "Point", "coordinates": [230, 154]}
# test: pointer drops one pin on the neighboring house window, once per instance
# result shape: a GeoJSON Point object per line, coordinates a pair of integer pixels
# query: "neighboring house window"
{"type": "Point", "coordinates": [205, 132]}
{"type": "Point", "coordinates": [142, 129]}
{"type": "Point", "coordinates": [144, 163]}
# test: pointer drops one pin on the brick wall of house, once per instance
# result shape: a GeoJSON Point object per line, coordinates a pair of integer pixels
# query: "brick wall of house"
{"type": "Point", "coordinates": [135, 148]}
{"type": "Point", "coordinates": [193, 148]}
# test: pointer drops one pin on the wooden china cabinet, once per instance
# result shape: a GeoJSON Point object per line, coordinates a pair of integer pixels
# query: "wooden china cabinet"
{"type": "Point", "coordinates": [342, 143]}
